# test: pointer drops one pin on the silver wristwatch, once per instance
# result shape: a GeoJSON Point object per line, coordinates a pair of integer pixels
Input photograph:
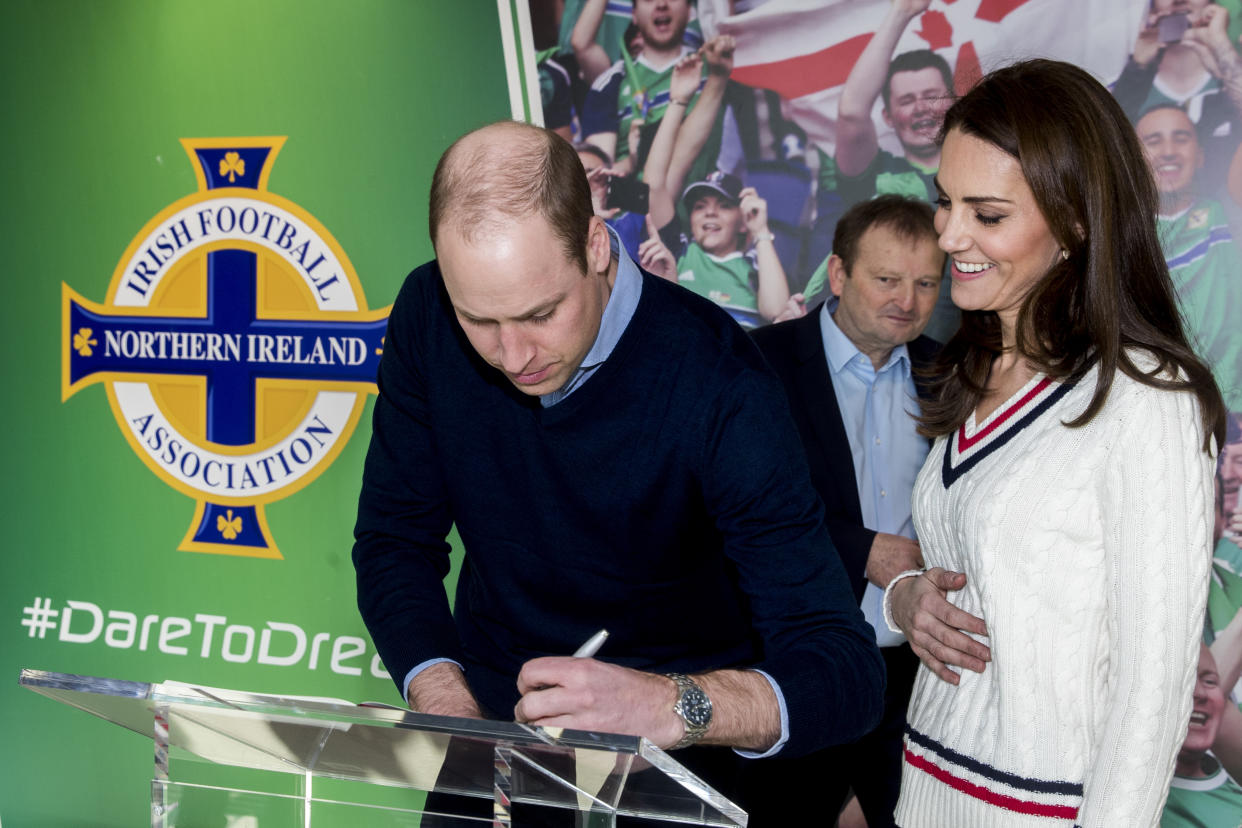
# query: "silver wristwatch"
{"type": "Point", "coordinates": [693, 707]}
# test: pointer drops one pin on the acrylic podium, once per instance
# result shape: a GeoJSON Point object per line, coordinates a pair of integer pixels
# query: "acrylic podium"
{"type": "Point", "coordinates": [232, 758]}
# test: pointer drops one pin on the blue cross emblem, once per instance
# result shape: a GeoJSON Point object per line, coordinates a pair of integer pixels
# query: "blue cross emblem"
{"type": "Point", "coordinates": [225, 251]}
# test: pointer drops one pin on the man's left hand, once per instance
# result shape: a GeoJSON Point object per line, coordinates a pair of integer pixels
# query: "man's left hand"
{"type": "Point", "coordinates": [585, 694]}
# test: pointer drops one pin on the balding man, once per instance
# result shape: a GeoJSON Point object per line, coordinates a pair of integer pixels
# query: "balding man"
{"type": "Point", "coordinates": [614, 454]}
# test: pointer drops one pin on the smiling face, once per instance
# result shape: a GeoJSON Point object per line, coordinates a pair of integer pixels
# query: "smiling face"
{"type": "Point", "coordinates": [715, 223]}
{"type": "Point", "coordinates": [1205, 715]}
{"type": "Point", "coordinates": [916, 106]}
{"type": "Point", "coordinates": [527, 309]}
{"type": "Point", "coordinates": [888, 295]}
{"type": "Point", "coordinates": [998, 241]}
{"type": "Point", "coordinates": [661, 22]}
{"type": "Point", "coordinates": [1172, 148]}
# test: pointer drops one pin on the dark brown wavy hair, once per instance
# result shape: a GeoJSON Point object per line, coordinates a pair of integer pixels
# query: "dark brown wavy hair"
{"type": "Point", "coordinates": [1090, 178]}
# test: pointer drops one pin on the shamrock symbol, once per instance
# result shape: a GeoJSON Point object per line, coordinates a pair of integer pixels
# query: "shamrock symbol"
{"type": "Point", "coordinates": [229, 528]}
{"type": "Point", "coordinates": [83, 341]}
{"type": "Point", "coordinates": [232, 164]}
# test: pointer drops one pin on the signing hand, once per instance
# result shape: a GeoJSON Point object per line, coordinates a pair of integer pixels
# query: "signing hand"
{"type": "Point", "coordinates": [935, 628]}
{"type": "Point", "coordinates": [585, 694]}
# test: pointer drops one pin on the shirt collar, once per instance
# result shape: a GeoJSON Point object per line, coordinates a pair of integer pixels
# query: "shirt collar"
{"type": "Point", "coordinates": [622, 302]}
{"type": "Point", "coordinates": [841, 351]}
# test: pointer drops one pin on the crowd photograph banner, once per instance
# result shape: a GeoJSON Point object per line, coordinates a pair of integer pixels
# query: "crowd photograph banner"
{"type": "Point", "coordinates": [211, 208]}
{"type": "Point", "coordinates": [802, 74]}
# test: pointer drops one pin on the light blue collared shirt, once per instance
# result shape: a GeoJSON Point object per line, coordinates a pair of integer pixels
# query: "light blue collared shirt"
{"type": "Point", "coordinates": [878, 410]}
{"type": "Point", "coordinates": [622, 302]}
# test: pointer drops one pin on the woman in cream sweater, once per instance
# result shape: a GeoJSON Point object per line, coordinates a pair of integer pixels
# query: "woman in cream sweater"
{"type": "Point", "coordinates": [1065, 509]}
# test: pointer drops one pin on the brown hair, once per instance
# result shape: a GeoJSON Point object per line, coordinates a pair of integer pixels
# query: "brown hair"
{"type": "Point", "coordinates": [510, 170]}
{"type": "Point", "coordinates": [1112, 291]}
{"type": "Point", "coordinates": [909, 219]}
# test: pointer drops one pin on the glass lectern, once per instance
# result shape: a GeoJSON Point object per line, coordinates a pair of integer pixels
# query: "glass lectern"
{"type": "Point", "coordinates": [247, 760]}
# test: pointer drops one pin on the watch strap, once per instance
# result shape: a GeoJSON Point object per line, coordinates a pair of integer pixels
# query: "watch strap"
{"type": "Point", "coordinates": [694, 732]}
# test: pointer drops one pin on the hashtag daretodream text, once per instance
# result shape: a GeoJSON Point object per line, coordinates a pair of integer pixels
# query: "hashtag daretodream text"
{"type": "Point", "coordinates": [277, 643]}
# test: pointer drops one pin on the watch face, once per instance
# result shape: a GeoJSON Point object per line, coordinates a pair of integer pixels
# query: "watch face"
{"type": "Point", "coordinates": [696, 708]}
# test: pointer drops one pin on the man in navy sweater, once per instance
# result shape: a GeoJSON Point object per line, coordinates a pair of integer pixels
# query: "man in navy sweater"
{"type": "Point", "coordinates": [614, 454]}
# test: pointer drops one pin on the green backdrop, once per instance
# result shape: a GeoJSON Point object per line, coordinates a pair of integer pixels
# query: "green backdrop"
{"type": "Point", "coordinates": [96, 98]}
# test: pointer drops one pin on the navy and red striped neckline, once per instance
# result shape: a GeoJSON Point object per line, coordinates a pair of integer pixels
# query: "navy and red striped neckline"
{"type": "Point", "coordinates": [963, 450]}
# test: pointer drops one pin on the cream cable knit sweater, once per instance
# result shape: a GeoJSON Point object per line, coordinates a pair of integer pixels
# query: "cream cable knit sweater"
{"type": "Point", "coordinates": [1086, 552]}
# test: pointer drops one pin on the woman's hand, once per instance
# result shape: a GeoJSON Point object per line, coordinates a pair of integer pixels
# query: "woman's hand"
{"type": "Point", "coordinates": [935, 628]}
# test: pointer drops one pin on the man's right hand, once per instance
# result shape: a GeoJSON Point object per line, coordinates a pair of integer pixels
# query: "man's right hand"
{"type": "Point", "coordinates": [441, 690]}
{"type": "Point", "coordinates": [889, 555]}
{"type": "Point", "coordinates": [935, 628]}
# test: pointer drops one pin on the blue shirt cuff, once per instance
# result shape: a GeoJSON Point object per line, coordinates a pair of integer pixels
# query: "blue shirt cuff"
{"type": "Point", "coordinates": [780, 743]}
{"type": "Point", "coordinates": [418, 668]}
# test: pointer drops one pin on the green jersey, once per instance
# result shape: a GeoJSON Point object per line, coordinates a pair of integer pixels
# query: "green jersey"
{"type": "Point", "coordinates": [633, 89]}
{"type": "Point", "coordinates": [886, 174]}
{"type": "Point", "coordinates": [1212, 802]}
{"type": "Point", "coordinates": [1207, 274]}
{"type": "Point", "coordinates": [611, 32]}
{"type": "Point", "coordinates": [818, 281]}
{"type": "Point", "coordinates": [1224, 597]}
{"type": "Point", "coordinates": [729, 281]}
{"type": "Point", "coordinates": [1159, 95]}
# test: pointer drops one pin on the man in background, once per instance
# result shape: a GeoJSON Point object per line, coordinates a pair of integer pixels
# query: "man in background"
{"type": "Point", "coordinates": [851, 372]}
{"type": "Point", "coordinates": [1199, 248]}
{"type": "Point", "coordinates": [916, 89]}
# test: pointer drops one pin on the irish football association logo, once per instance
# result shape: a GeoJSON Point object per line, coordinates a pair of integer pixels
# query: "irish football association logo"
{"type": "Point", "coordinates": [235, 345]}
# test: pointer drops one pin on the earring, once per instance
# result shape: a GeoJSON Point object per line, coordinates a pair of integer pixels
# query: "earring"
{"type": "Point", "coordinates": [1064, 254]}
